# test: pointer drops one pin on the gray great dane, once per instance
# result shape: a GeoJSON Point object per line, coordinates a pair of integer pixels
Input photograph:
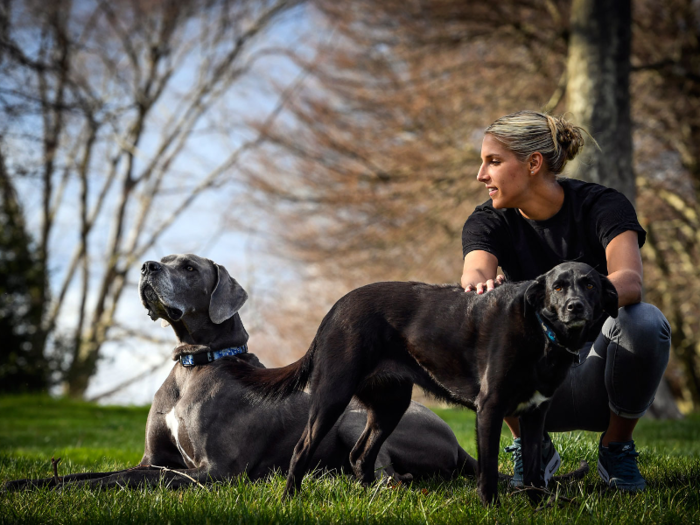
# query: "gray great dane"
{"type": "Point", "coordinates": [204, 426]}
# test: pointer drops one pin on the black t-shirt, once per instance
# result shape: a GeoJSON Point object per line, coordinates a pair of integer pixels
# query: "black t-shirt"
{"type": "Point", "coordinates": [591, 216]}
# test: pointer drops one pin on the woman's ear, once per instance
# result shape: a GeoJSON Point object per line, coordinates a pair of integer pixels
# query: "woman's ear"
{"type": "Point", "coordinates": [535, 162]}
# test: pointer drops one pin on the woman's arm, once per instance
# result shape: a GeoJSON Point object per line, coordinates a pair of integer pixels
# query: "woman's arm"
{"type": "Point", "coordinates": [625, 267]}
{"type": "Point", "coordinates": [479, 273]}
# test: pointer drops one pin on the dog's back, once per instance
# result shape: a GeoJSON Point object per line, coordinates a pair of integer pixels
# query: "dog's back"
{"type": "Point", "coordinates": [425, 334]}
{"type": "Point", "coordinates": [400, 331]}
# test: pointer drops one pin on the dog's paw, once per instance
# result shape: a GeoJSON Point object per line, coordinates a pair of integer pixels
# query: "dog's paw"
{"type": "Point", "coordinates": [488, 498]}
{"type": "Point", "coordinates": [396, 480]}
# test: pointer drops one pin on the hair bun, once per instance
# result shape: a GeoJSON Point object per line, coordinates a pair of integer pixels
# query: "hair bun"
{"type": "Point", "coordinates": [568, 136]}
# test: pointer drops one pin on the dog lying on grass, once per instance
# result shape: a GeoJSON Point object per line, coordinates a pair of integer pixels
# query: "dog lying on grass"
{"type": "Point", "coordinates": [501, 353]}
{"type": "Point", "coordinates": [203, 425]}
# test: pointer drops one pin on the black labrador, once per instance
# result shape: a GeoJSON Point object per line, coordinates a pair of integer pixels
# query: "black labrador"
{"type": "Point", "coordinates": [503, 353]}
{"type": "Point", "coordinates": [203, 425]}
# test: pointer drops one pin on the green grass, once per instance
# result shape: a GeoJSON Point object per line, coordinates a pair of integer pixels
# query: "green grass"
{"type": "Point", "coordinates": [90, 437]}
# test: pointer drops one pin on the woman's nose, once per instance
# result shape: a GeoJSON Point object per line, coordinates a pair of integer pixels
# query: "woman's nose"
{"type": "Point", "coordinates": [481, 176]}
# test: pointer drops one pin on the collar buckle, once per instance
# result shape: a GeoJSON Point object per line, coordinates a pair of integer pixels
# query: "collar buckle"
{"type": "Point", "coordinates": [187, 360]}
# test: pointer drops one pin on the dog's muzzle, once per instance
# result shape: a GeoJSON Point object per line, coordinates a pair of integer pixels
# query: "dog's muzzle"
{"type": "Point", "coordinates": [151, 301]}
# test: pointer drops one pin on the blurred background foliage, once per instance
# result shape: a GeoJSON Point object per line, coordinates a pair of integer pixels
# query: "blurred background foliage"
{"type": "Point", "coordinates": [360, 166]}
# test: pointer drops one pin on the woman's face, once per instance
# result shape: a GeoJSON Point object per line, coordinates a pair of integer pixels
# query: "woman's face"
{"type": "Point", "coordinates": [506, 178]}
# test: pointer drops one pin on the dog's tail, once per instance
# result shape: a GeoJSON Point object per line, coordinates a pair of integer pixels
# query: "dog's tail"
{"type": "Point", "coordinates": [273, 384]}
{"type": "Point", "coordinates": [466, 465]}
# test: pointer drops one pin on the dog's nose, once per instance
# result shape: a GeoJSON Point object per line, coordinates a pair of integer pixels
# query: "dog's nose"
{"type": "Point", "coordinates": [575, 307]}
{"type": "Point", "coordinates": [150, 267]}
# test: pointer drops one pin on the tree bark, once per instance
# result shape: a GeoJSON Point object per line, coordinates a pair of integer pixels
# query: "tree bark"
{"type": "Point", "coordinates": [598, 70]}
{"type": "Point", "coordinates": [598, 91]}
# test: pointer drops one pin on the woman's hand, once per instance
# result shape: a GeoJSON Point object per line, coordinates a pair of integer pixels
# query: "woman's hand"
{"type": "Point", "coordinates": [489, 285]}
{"type": "Point", "coordinates": [480, 273]}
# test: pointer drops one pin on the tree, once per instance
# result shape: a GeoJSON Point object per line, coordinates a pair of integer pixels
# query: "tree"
{"type": "Point", "coordinates": [111, 101]}
{"type": "Point", "coordinates": [23, 365]}
{"type": "Point", "coordinates": [598, 94]}
{"type": "Point", "coordinates": [386, 146]}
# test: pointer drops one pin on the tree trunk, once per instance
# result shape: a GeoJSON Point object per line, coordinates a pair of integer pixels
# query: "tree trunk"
{"type": "Point", "coordinates": [598, 70]}
{"type": "Point", "coordinates": [598, 91]}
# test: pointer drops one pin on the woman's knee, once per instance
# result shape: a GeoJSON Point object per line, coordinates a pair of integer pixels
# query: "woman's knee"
{"type": "Point", "coordinates": [640, 328]}
{"type": "Point", "coordinates": [637, 344]}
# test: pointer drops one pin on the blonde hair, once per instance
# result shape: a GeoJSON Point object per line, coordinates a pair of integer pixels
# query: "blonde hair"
{"type": "Point", "coordinates": [526, 132]}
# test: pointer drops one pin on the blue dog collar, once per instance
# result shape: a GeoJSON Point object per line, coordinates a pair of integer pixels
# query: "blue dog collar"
{"type": "Point", "coordinates": [546, 329]}
{"type": "Point", "coordinates": [204, 358]}
{"type": "Point", "coordinates": [549, 333]}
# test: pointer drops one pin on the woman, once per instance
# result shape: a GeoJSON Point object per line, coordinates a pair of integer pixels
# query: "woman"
{"type": "Point", "coordinates": [534, 221]}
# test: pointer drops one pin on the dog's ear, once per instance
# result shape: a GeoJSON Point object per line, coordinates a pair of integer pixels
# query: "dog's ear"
{"type": "Point", "coordinates": [534, 295]}
{"type": "Point", "coordinates": [227, 298]}
{"type": "Point", "coordinates": [608, 297]}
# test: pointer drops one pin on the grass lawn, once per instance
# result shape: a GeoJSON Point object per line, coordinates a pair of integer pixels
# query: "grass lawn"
{"type": "Point", "coordinates": [96, 438]}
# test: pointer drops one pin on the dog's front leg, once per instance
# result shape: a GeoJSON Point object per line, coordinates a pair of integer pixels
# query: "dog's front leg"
{"type": "Point", "coordinates": [489, 421]}
{"type": "Point", "coordinates": [532, 430]}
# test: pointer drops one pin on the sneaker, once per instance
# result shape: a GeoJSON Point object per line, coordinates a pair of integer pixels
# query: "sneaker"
{"type": "Point", "coordinates": [617, 465]}
{"type": "Point", "coordinates": [550, 461]}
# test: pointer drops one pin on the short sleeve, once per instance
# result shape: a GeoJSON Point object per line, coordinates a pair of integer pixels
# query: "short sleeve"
{"type": "Point", "coordinates": [613, 215]}
{"type": "Point", "coordinates": [484, 230]}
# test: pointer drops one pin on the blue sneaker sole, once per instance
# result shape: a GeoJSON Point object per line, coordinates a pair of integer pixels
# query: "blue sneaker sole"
{"type": "Point", "coordinates": [614, 484]}
{"type": "Point", "coordinates": [551, 468]}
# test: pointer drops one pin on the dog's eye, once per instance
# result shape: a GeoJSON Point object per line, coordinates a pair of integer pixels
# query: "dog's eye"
{"type": "Point", "coordinates": [189, 268]}
{"type": "Point", "coordinates": [557, 288]}
{"type": "Point", "coordinates": [589, 286]}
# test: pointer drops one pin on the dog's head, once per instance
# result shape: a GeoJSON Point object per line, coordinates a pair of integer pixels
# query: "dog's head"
{"type": "Point", "coordinates": [571, 297]}
{"type": "Point", "coordinates": [188, 286]}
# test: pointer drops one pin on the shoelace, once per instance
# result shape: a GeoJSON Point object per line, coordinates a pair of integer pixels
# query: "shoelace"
{"type": "Point", "coordinates": [516, 452]}
{"type": "Point", "coordinates": [625, 462]}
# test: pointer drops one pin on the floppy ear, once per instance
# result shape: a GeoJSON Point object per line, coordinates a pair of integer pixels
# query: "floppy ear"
{"type": "Point", "coordinates": [227, 298]}
{"type": "Point", "coordinates": [608, 297]}
{"type": "Point", "coordinates": [534, 295]}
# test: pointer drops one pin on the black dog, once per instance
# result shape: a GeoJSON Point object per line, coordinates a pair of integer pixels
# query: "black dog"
{"type": "Point", "coordinates": [501, 353]}
{"type": "Point", "coordinates": [204, 427]}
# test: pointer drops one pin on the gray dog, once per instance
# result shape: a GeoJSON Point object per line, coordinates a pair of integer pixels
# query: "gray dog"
{"type": "Point", "coordinates": [203, 425]}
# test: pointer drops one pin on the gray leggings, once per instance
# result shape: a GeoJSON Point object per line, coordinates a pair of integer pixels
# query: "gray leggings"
{"type": "Point", "coordinates": [620, 371]}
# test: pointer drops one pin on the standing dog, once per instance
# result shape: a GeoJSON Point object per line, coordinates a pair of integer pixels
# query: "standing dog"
{"type": "Point", "coordinates": [501, 353]}
{"type": "Point", "coordinates": [203, 426]}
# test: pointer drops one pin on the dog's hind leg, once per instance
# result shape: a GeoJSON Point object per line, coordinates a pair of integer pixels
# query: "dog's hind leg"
{"type": "Point", "coordinates": [27, 484]}
{"type": "Point", "coordinates": [133, 477]}
{"type": "Point", "coordinates": [386, 404]}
